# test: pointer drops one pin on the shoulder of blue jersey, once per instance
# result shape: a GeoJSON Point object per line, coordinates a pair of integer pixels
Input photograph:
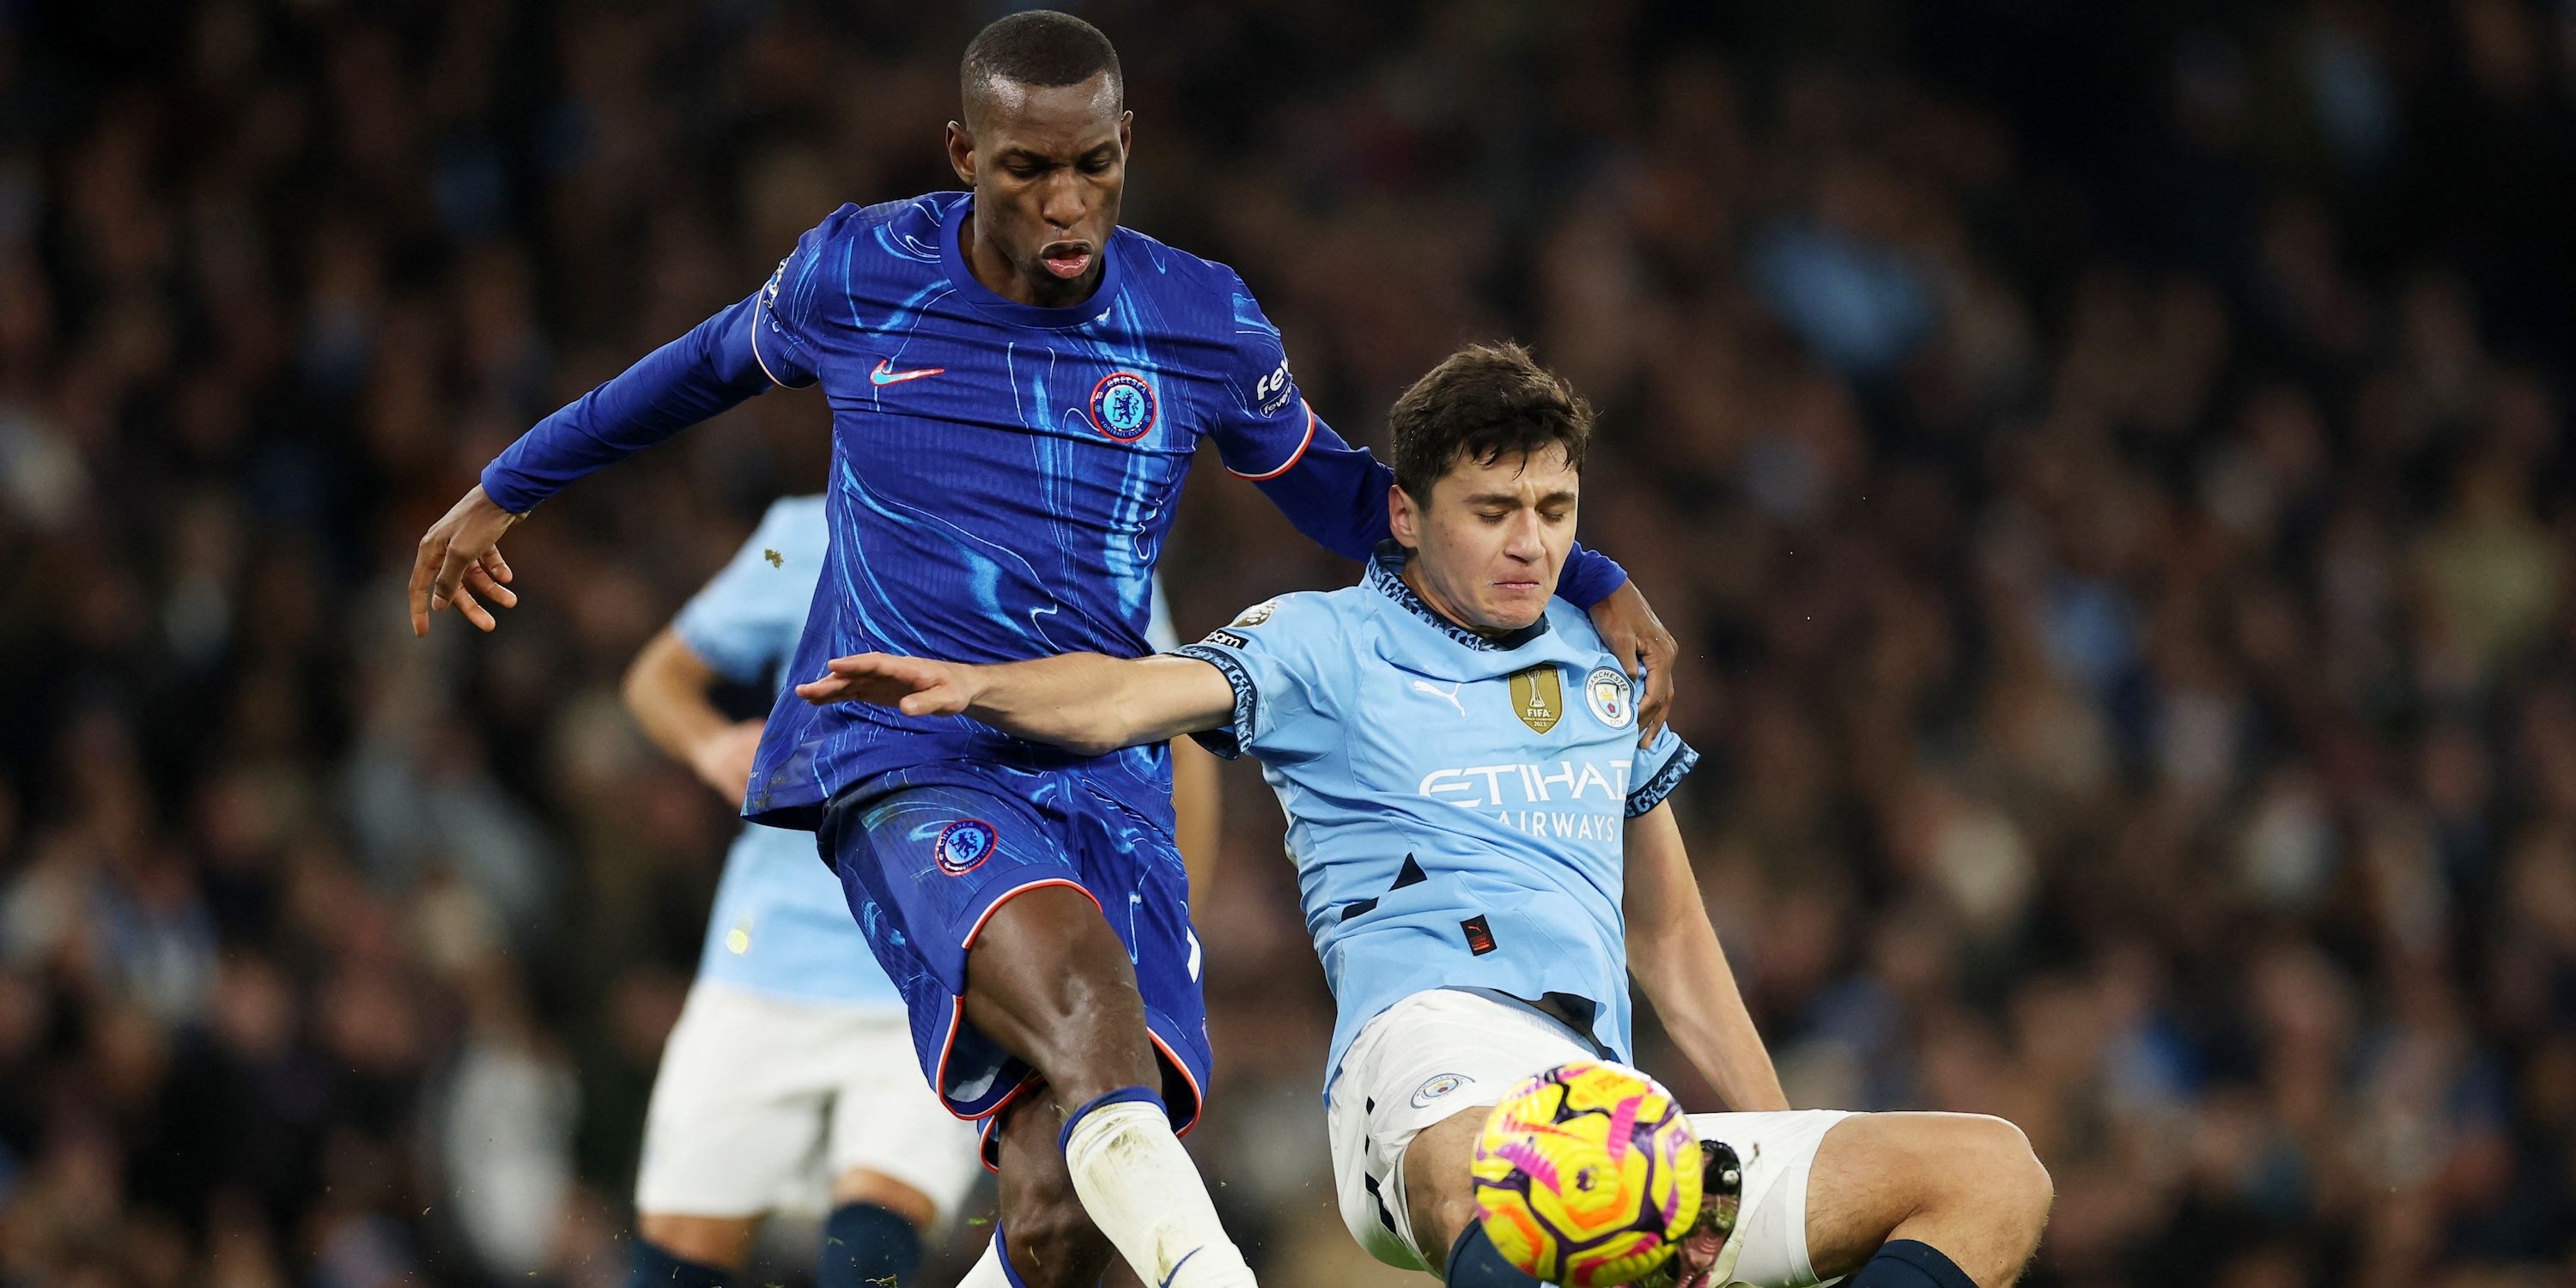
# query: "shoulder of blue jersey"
{"type": "Point", "coordinates": [1161, 259]}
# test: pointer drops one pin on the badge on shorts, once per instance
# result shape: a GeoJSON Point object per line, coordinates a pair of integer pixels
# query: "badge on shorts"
{"type": "Point", "coordinates": [963, 846]}
{"type": "Point", "coordinates": [1438, 1085]}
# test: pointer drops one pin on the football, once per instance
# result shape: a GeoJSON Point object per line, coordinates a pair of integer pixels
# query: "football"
{"type": "Point", "coordinates": [1587, 1175]}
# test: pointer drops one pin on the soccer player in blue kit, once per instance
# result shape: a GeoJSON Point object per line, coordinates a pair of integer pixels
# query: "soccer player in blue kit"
{"type": "Point", "coordinates": [783, 1087]}
{"type": "Point", "coordinates": [1017, 386]}
{"type": "Point", "coordinates": [1485, 855]}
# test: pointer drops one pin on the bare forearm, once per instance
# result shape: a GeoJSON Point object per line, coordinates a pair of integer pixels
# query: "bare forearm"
{"type": "Point", "coordinates": [1094, 704]}
{"type": "Point", "coordinates": [666, 692]}
{"type": "Point", "coordinates": [1673, 950]}
{"type": "Point", "coordinates": [1686, 975]}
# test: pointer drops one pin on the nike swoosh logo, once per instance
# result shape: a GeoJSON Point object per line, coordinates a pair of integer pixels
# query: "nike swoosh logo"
{"type": "Point", "coordinates": [885, 374]}
{"type": "Point", "coordinates": [1176, 1266]}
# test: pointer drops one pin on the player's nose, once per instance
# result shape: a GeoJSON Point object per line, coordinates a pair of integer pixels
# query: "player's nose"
{"type": "Point", "coordinates": [1064, 202]}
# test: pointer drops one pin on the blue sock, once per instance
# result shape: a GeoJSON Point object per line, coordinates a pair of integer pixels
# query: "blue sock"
{"type": "Point", "coordinates": [1911, 1263]}
{"type": "Point", "coordinates": [1474, 1262]}
{"type": "Point", "coordinates": [866, 1246]}
{"type": "Point", "coordinates": [655, 1268]}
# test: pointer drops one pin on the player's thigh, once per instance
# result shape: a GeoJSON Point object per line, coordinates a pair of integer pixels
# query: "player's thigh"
{"type": "Point", "coordinates": [925, 854]}
{"type": "Point", "coordinates": [886, 1124]}
{"type": "Point", "coordinates": [1435, 1056]}
{"type": "Point", "coordinates": [1128, 857]}
{"type": "Point", "coordinates": [1778, 1153]}
{"type": "Point", "coordinates": [736, 1117]}
{"type": "Point", "coordinates": [1875, 1171]}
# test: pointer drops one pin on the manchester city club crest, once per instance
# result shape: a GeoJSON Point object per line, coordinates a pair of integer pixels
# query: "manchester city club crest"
{"type": "Point", "coordinates": [1122, 406]}
{"type": "Point", "coordinates": [1611, 695]}
{"type": "Point", "coordinates": [963, 846]}
{"type": "Point", "coordinates": [1437, 1086]}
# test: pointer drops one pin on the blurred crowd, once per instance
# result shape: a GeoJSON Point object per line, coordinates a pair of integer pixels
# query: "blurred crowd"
{"type": "Point", "coordinates": [2107, 465]}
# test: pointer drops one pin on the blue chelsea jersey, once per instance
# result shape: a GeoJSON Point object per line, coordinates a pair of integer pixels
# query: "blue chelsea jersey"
{"type": "Point", "coordinates": [1002, 474]}
{"type": "Point", "coordinates": [1456, 805]}
{"type": "Point", "coordinates": [781, 923]}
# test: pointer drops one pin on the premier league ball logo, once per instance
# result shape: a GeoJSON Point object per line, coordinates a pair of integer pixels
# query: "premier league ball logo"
{"type": "Point", "coordinates": [963, 846]}
{"type": "Point", "coordinates": [1122, 406]}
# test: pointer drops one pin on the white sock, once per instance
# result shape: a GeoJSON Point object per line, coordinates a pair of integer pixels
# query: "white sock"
{"type": "Point", "coordinates": [1143, 1191]}
{"type": "Point", "coordinates": [989, 1271]}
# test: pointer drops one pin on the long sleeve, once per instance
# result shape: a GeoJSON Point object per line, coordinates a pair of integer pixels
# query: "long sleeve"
{"type": "Point", "coordinates": [692, 378]}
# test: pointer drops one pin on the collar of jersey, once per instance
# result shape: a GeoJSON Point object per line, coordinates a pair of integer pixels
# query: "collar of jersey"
{"type": "Point", "coordinates": [1386, 576]}
{"type": "Point", "coordinates": [953, 259]}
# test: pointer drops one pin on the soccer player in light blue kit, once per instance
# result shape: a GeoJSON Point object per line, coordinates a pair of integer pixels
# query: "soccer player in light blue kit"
{"type": "Point", "coordinates": [784, 1085]}
{"type": "Point", "coordinates": [1017, 388]}
{"type": "Point", "coordinates": [1485, 856]}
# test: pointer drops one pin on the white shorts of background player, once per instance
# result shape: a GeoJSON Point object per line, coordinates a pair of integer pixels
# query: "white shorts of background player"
{"type": "Point", "coordinates": [761, 1102]}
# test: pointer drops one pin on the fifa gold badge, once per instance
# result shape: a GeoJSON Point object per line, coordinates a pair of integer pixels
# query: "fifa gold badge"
{"type": "Point", "coordinates": [1538, 698]}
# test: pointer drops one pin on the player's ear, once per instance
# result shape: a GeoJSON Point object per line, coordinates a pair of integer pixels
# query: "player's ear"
{"type": "Point", "coordinates": [1403, 517]}
{"type": "Point", "coordinates": [961, 152]}
{"type": "Point", "coordinates": [1126, 133]}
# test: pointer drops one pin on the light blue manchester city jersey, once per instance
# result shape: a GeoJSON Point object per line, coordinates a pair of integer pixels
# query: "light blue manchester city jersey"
{"type": "Point", "coordinates": [1457, 805]}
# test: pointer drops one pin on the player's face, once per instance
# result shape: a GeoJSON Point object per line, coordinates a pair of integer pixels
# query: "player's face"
{"type": "Point", "coordinates": [1491, 538]}
{"type": "Point", "coordinates": [1048, 165]}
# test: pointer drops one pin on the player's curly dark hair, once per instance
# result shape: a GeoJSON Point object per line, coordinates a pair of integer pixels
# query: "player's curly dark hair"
{"type": "Point", "coordinates": [1040, 48]}
{"type": "Point", "coordinates": [1480, 404]}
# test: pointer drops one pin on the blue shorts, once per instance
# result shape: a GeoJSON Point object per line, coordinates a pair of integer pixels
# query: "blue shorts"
{"type": "Point", "coordinates": [926, 855]}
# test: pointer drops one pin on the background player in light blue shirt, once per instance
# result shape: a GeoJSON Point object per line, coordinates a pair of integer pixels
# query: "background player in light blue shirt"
{"type": "Point", "coordinates": [784, 1085]}
{"type": "Point", "coordinates": [1485, 856]}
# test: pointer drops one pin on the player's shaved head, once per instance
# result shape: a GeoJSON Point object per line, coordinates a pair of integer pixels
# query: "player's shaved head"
{"type": "Point", "coordinates": [1039, 49]}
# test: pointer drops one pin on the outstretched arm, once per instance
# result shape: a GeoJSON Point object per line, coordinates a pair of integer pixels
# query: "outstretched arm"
{"type": "Point", "coordinates": [713, 367]}
{"type": "Point", "coordinates": [1084, 702]}
{"type": "Point", "coordinates": [1673, 951]}
{"type": "Point", "coordinates": [666, 690]}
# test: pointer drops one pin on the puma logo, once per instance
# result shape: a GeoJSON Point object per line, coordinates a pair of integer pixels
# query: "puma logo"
{"type": "Point", "coordinates": [1448, 695]}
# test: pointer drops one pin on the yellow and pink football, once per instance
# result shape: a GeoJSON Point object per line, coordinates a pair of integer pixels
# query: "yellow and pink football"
{"type": "Point", "coordinates": [1587, 1175]}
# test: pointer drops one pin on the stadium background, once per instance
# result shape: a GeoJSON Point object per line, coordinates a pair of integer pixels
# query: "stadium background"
{"type": "Point", "coordinates": [2107, 465]}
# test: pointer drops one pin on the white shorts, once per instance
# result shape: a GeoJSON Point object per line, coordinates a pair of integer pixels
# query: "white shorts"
{"type": "Point", "coordinates": [1437, 1053]}
{"type": "Point", "coordinates": [762, 1101]}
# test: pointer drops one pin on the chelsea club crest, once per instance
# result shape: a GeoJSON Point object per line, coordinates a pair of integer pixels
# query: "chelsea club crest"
{"type": "Point", "coordinates": [1122, 406]}
{"type": "Point", "coordinates": [1611, 695]}
{"type": "Point", "coordinates": [963, 846]}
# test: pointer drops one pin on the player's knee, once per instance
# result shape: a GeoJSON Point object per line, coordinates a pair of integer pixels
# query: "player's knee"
{"type": "Point", "coordinates": [1050, 981]}
{"type": "Point", "coordinates": [1998, 1171]}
